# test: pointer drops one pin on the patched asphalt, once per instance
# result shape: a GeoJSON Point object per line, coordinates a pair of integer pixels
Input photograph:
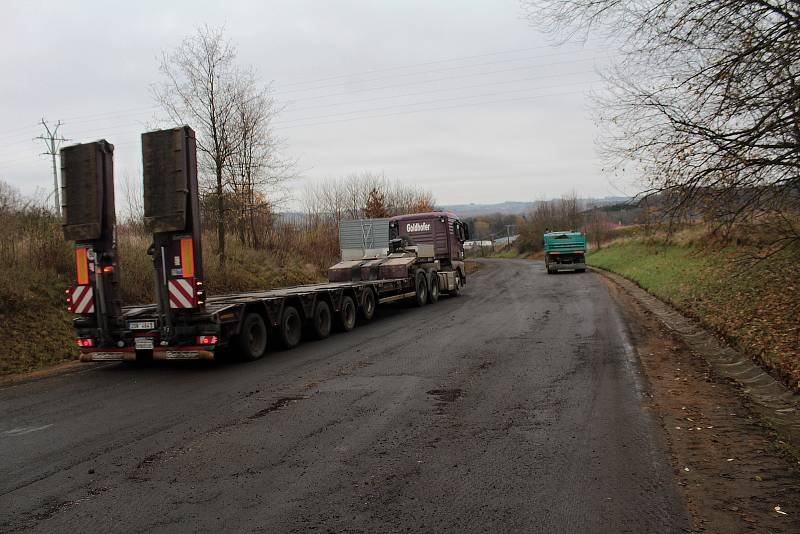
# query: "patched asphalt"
{"type": "Point", "coordinates": [515, 407]}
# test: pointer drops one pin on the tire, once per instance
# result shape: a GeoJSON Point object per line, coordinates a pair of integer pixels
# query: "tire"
{"type": "Point", "coordinates": [291, 327]}
{"type": "Point", "coordinates": [252, 339]}
{"type": "Point", "coordinates": [457, 291]}
{"type": "Point", "coordinates": [368, 305]}
{"type": "Point", "coordinates": [433, 288]}
{"type": "Point", "coordinates": [322, 321]}
{"type": "Point", "coordinates": [347, 314]}
{"type": "Point", "coordinates": [421, 286]}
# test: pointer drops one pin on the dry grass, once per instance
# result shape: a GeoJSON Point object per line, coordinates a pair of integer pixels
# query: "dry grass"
{"type": "Point", "coordinates": [34, 270]}
{"type": "Point", "coordinates": [36, 266]}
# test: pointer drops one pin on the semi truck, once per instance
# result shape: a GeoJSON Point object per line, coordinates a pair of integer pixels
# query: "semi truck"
{"type": "Point", "coordinates": [423, 259]}
{"type": "Point", "coordinates": [564, 251]}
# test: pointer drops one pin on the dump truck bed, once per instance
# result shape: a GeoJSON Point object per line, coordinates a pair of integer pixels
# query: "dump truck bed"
{"type": "Point", "coordinates": [565, 251]}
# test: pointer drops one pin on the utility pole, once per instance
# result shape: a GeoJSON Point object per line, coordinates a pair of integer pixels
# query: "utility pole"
{"type": "Point", "coordinates": [508, 233]}
{"type": "Point", "coordinates": [53, 142]}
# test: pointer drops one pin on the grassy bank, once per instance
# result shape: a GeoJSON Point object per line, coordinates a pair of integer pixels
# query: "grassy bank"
{"type": "Point", "coordinates": [754, 304]}
{"type": "Point", "coordinates": [36, 266]}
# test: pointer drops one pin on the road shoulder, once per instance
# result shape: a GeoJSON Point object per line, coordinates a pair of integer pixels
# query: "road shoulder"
{"type": "Point", "coordinates": [736, 473]}
{"type": "Point", "coordinates": [70, 366]}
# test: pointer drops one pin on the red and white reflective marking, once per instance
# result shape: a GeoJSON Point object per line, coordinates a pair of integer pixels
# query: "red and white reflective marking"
{"type": "Point", "coordinates": [181, 293]}
{"type": "Point", "coordinates": [83, 299]}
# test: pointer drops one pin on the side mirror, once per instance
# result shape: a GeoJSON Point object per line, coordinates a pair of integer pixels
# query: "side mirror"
{"type": "Point", "coordinates": [461, 231]}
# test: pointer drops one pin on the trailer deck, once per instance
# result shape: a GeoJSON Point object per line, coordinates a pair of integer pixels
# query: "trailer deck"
{"type": "Point", "coordinates": [423, 258]}
{"type": "Point", "coordinates": [221, 319]}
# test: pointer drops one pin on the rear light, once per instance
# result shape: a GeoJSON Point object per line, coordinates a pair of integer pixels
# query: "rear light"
{"type": "Point", "coordinates": [85, 342]}
{"type": "Point", "coordinates": [207, 340]}
{"type": "Point", "coordinates": [199, 293]}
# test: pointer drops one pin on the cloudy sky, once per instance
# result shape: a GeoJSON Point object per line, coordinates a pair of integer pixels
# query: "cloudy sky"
{"type": "Point", "coordinates": [463, 98]}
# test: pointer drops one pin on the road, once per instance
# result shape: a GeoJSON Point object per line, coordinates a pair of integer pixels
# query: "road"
{"type": "Point", "coordinates": [516, 407]}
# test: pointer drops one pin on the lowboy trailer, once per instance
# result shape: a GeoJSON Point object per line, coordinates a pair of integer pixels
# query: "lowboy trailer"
{"type": "Point", "coordinates": [423, 260]}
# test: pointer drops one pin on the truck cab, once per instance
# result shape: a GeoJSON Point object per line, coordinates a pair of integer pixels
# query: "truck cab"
{"type": "Point", "coordinates": [439, 234]}
{"type": "Point", "coordinates": [564, 251]}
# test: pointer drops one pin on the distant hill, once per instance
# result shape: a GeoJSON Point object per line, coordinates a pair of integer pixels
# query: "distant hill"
{"type": "Point", "coordinates": [467, 211]}
{"type": "Point", "coordinates": [473, 210]}
{"type": "Point", "coordinates": [513, 208]}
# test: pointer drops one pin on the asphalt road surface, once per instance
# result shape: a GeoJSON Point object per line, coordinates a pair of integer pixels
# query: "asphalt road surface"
{"type": "Point", "coordinates": [515, 407]}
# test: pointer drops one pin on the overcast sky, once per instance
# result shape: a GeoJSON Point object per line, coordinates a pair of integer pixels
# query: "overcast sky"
{"type": "Point", "coordinates": [463, 98]}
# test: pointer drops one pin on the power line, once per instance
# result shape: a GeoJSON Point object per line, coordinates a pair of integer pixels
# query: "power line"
{"type": "Point", "coordinates": [468, 75]}
{"type": "Point", "coordinates": [429, 91]}
{"type": "Point", "coordinates": [426, 63]}
{"type": "Point", "coordinates": [448, 99]}
{"type": "Point", "coordinates": [117, 112]}
{"type": "Point", "coordinates": [437, 70]}
{"type": "Point", "coordinates": [385, 87]}
{"type": "Point", "coordinates": [52, 141]}
{"type": "Point", "coordinates": [111, 114]}
{"type": "Point", "coordinates": [16, 132]}
{"type": "Point", "coordinates": [115, 131]}
{"type": "Point", "coordinates": [294, 124]}
{"type": "Point", "coordinates": [440, 108]}
{"type": "Point", "coordinates": [22, 158]}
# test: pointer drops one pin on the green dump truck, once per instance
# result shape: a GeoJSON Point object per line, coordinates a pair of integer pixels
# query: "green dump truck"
{"type": "Point", "coordinates": [564, 251]}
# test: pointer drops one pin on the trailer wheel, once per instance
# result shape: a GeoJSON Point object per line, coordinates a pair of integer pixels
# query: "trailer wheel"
{"type": "Point", "coordinates": [291, 328]}
{"type": "Point", "coordinates": [252, 340]}
{"type": "Point", "coordinates": [433, 288]}
{"type": "Point", "coordinates": [457, 289]}
{"type": "Point", "coordinates": [347, 314]}
{"type": "Point", "coordinates": [322, 321]}
{"type": "Point", "coordinates": [421, 286]}
{"type": "Point", "coordinates": [368, 305]}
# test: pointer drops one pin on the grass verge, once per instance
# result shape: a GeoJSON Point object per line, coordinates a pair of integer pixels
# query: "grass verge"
{"type": "Point", "coordinates": [755, 305]}
{"type": "Point", "coordinates": [37, 328]}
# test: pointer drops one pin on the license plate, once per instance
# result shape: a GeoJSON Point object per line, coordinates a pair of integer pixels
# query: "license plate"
{"type": "Point", "coordinates": [144, 343]}
{"type": "Point", "coordinates": [141, 325]}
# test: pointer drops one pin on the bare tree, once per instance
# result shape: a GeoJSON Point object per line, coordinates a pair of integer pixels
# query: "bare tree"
{"type": "Point", "coordinates": [597, 227]}
{"type": "Point", "coordinates": [256, 170]}
{"type": "Point", "coordinates": [554, 215]}
{"type": "Point", "coordinates": [133, 199]}
{"type": "Point", "coordinates": [705, 101]}
{"type": "Point", "coordinates": [10, 199]}
{"type": "Point", "coordinates": [202, 87]}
